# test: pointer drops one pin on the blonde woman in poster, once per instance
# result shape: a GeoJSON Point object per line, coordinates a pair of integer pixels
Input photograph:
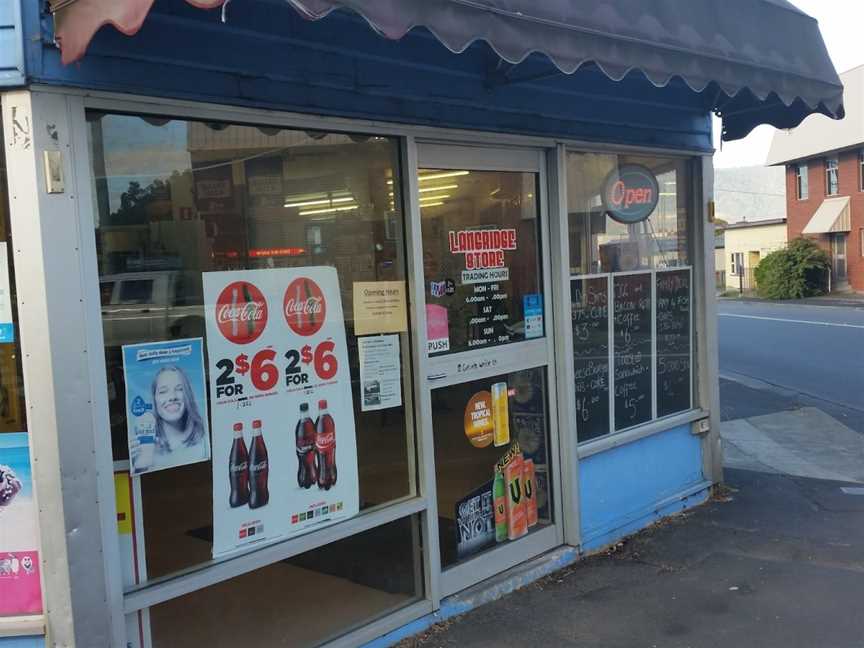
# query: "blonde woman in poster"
{"type": "Point", "coordinates": [166, 425]}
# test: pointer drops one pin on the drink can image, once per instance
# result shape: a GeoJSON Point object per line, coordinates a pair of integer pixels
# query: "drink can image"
{"type": "Point", "coordinates": [499, 496]}
{"type": "Point", "coordinates": [500, 414]}
{"type": "Point", "coordinates": [517, 521]}
{"type": "Point", "coordinates": [145, 442]}
{"type": "Point", "coordinates": [529, 490]}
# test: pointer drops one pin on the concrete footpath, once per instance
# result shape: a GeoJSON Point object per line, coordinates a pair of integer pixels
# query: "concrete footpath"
{"type": "Point", "coordinates": [776, 560]}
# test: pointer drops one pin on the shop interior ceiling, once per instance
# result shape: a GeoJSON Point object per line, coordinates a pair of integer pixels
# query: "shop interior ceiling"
{"type": "Point", "coordinates": [738, 53]}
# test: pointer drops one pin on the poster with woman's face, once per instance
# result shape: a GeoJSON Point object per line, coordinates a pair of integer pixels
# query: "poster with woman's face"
{"type": "Point", "coordinates": [166, 404]}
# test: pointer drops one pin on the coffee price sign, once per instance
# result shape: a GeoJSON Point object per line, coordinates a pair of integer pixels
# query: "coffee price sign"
{"type": "Point", "coordinates": [284, 446]}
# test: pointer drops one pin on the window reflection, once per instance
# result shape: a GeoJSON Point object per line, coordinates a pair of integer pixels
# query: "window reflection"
{"type": "Point", "coordinates": [179, 198]}
{"type": "Point", "coordinates": [600, 244]}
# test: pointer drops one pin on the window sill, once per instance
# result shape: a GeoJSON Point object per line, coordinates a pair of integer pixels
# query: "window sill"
{"type": "Point", "coordinates": [22, 626]}
{"type": "Point", "coordinates": [616, 439]}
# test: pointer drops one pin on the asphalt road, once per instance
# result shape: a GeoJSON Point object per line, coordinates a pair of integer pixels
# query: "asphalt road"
{"type": "Point", "coordinates": [815, 353]}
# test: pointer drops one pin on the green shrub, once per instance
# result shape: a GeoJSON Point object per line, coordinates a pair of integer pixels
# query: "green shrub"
{"type": "Point", "coordinates": [801, 270]}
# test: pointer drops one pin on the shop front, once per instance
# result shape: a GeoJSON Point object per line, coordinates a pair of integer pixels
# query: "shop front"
{"type": "Point", "coordinates": [320, 339]}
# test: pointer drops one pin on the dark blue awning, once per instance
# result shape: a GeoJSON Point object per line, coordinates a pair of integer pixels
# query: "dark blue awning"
{"type": "Point", "coordinates": [754, 61]}
{"type": "Point", "coordinates": [757, 61]}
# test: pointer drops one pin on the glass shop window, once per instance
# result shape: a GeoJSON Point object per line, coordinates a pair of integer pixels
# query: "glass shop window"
{"type": "Point", "coordinates": [181, 202]}
{"type": "Point", "coordinates": [631, 289]}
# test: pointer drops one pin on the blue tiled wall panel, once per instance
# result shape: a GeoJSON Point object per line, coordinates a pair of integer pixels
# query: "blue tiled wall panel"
{"type": "Point", "coordinates": [22, 642]}
{"type": "Point", "coordinates": [627, 488]}
{"type": "Point", "coordinates": [266, 55]}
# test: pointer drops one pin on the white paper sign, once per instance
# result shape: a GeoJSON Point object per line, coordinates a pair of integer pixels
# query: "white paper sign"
{"type": "Point", "coordinates": [380, 372]}
{"type": "Point", "coordinates": [284, 445]}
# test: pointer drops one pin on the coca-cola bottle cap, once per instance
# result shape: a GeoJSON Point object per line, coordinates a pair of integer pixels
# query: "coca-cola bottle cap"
{"type": "Point", "coordinates": [238, 427]}
{"type": "Point", "coordinates": [322, 404]}
{"type": "Point", "coordinates": [256, 424]}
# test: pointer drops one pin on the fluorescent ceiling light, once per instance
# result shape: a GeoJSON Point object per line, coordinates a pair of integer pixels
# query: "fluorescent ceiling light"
{"type": "Point", "coordinates": [446, 174]}
{"type": "Point", "coordinates": [438, 176]}
{"type": "Point", "coordinates": [427, 189]}
{"type": "Point", "coordinates": [441, 197]}
{"type": "Point", "coordinates": [323, 201]}
{"type": "Point", "coordinates": [432, 204]}
{"type": "Point", "coordinates": [329, 210]}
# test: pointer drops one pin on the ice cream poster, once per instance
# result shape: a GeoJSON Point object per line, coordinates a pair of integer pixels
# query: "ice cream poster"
{"type": "Point", "coordinates": [166, 404]}
{"type": "Point", "coordinates": [20, 584]}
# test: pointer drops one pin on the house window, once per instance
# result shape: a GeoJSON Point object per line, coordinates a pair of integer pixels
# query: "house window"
{"type": "Point", "coordinates": [832, 181]}
{"type": "Point", "coordinates": [861, 169]}
{"type": "Point", "coordinates": [861, 241]}
{"type": "Point", "coordinates": [801, 181]}
{"type": "Point", "coordinates": [737, 263]}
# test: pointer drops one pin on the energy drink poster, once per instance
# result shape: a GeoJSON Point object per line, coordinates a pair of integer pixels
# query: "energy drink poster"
{"type": "Point", "coordinates": [475, 522]}
{"type": "Point", "coordinates": [284, 445]}
{"type": "Point", "coordinates": [166, 404]}
{"type": "Point", "coordinates": [20, 583]}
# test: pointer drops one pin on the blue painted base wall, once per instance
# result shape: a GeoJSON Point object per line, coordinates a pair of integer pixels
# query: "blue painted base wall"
{"type": "Point", "coordinates": [627, 488]}
{"type": "Point", "coordinates": [22, 642]}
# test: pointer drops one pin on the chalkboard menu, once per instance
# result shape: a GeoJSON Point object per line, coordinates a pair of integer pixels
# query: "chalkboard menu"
{"type": "Point", "coordinates": [674, 378]}
{"type": "Point", "coordinates": [590, 311]}
{"type": "Point", "coordinates": [632, 349]}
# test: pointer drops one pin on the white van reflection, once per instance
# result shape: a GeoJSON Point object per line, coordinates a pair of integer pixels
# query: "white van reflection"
{"type": "Point", "coordinates": [154, 305]}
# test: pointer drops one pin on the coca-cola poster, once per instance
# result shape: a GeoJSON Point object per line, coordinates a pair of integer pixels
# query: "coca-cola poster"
{"type": "Point", "coordinates": [166, 404]}
{"type": "Point", "coordinates": [284, 446]}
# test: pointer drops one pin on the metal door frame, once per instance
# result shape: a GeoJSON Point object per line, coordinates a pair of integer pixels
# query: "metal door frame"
{"type": "Point", "coordinates": [441, 371]}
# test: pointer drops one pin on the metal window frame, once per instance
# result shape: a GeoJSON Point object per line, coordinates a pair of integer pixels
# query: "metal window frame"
{"type": "Point", "coordinates": [85, 527]}
{"type": "Point", "coordinates": [704, 398]}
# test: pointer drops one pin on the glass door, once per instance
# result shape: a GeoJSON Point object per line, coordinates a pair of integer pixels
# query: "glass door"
{"type": "Point", "coordinates": [838, 252]}
{"type": "Point", "coordinates": [490, 369]}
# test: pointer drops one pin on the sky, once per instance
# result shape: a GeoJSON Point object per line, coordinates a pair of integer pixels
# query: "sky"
{"type": "Point", "coordinates": [840, 22]}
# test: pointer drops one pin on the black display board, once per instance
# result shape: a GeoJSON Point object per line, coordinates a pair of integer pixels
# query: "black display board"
{"type": "Point", "coordinates": [632, 347]}
{"type": "Point", "coordinates": [674, 371]}
{"type": "Point", "coordinates": [590, 312]}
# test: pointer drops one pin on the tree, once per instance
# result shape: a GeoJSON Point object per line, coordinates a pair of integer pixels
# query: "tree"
{"type": "Point", "coordinates": [801, 270]}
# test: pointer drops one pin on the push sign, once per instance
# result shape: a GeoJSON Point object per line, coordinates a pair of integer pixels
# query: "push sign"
{"type": "Point", "coordinates": [630, 193]}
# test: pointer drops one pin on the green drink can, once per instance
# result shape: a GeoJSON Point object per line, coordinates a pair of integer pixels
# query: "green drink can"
{"type": "Point", "coordinates": [499, 496]}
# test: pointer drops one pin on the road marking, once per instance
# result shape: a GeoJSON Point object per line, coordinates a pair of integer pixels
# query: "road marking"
{"type": "Point", "coordinates": [792, 321]}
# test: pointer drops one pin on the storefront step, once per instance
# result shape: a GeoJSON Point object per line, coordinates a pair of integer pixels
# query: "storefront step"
{"type": "Point", "coordinates": [485, 592]}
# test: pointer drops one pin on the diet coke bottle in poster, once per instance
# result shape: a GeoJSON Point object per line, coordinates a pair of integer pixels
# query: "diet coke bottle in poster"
{"type": "Point", "coordinates": [325, 447]}
{"type": "Point", "coordinates": [259, 469]}
{"type": "Point", "coordinates": [304, 436]}
{"type": "Point", "coordinates": [238, 469]}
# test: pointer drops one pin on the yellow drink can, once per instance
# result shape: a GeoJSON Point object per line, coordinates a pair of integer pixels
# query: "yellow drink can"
{"type": "Point", "coordinates": [500, 415]}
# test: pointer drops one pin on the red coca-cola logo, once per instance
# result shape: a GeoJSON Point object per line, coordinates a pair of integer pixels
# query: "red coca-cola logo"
{"type": "Point", "coordinates": [304, 306]}
{"type": "Point", "coordinates": [241, 312]}
{"type": "Point", "coordinates": [325, 440]}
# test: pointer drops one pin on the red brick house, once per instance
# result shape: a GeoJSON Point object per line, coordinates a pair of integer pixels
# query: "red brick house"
{"type": "Point", "coordinates": [824, 162]}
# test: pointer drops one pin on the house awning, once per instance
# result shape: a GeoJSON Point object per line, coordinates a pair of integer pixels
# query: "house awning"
{"type": "Point", "coordinates": [832, 216]}
{"type": "Point", "coordinates": [756, 61]}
